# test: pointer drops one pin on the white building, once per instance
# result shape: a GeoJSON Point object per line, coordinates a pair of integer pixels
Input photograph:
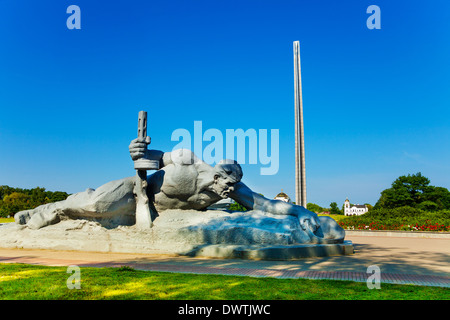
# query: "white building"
{"type": "Point", "coordinates": [355, 210]}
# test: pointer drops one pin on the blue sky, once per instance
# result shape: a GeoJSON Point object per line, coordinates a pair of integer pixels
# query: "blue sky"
{"type": "Point", "coordinates": [376, 102]}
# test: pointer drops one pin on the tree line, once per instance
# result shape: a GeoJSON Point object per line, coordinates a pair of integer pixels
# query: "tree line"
{"type": "Point", "coordinates": [13, 200]}
{"type": "Point", "coordinates": [412, 190]}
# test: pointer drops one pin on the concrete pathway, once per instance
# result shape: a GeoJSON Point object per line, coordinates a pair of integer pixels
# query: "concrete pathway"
{"type": "Point", "coordinates": [419, 261]}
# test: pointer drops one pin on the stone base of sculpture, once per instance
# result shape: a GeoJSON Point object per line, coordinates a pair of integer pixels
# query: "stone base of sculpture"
{"type": "Point", "coordinates": [219, 234]}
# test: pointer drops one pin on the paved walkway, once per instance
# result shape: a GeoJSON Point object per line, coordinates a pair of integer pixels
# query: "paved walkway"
{"type": "Point", "coordinates": [419, 261]}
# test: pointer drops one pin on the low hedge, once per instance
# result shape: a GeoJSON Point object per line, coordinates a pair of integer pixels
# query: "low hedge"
{"type": "Point", "coordinates": [403, 218]}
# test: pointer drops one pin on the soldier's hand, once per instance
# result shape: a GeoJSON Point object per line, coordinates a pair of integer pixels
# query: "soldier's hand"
{"type": "Point", "coordinates": [138, 147]}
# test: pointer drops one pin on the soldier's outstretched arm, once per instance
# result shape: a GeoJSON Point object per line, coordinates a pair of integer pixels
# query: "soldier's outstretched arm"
{"type": "Point", "coordinates": [254, 201]}
{"type": "Point", "coordinates": [112, 199]}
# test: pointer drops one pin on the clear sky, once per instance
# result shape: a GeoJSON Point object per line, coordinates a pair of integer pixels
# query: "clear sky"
{"type": "Point", "coordinates": [376, 102]}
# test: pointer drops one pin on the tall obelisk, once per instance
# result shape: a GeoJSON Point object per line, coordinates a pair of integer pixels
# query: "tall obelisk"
{"type": "Point", "coordinates": [300, 172]}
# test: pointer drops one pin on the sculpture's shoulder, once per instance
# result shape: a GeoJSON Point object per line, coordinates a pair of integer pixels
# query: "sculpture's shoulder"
{"type": "Point", "coordinates": [183, 157]}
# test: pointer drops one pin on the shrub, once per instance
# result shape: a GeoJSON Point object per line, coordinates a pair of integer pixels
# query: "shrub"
{"type": "Point", "coordinates": [403, 218]}
{"type": "Point", "coordinates": [237, 207]}
{"type": "Point", "coordinates": [428, 206]}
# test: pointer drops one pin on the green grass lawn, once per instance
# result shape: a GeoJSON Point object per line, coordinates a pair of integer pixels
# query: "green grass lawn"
{"type": "Point", "coordinates": [6, 220]}
{"type": "Point", "coordinates": [21, 281]}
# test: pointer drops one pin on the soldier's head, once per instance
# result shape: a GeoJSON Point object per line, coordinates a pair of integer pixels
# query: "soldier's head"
{"type": "Point", "coordinates": [227, 174]}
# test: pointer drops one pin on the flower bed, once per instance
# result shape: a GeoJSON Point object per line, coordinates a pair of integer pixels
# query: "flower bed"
{"type": "Point", "coordinates": [404, 227]}
{"type": "Point", "coordinates": [405, 219]}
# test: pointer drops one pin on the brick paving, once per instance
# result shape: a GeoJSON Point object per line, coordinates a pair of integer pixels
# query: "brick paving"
{"type": "Point", "coordinates": [401, 261]}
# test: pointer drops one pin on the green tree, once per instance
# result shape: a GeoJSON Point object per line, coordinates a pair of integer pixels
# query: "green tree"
{"type": "Point", "coordinates": [428, 206]}
{"type": "Point", "coordinates": [412, 191]}
{"type": "Point", "coordinates": [13, 200]}
{"type": "Point", "coordinates": [57, 196]}
{"type": "Point", "coordinates": [439, 195]}
{"type": "Point", "coordinates": [237, 207]}
{"type": "Point", "coordinates": [405, 191]}
{"type": "Point", "coordinates": [38, 196]}
{"type": "Point", "coordinates": [415, 185]}
{"type": "Point", "coordinates": [5, 190]}
{"type": "Point", "coordinates": [314, 208]}
{"type": "Point", "coordinates": [334, 208]}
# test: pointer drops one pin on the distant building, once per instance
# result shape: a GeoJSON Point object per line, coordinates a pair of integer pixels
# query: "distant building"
{"type": "Point", "coordinates": [283, 197]}
{"type": "Point", "coordinates": [355, 210]}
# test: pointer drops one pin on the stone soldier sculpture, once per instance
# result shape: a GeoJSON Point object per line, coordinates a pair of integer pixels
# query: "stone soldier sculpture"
{"type": "Point", "coordinates": [182, 182]}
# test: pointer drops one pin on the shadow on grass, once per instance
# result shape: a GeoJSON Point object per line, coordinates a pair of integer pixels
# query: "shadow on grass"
{"type": "Point", "coordinates": [42, 282]}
